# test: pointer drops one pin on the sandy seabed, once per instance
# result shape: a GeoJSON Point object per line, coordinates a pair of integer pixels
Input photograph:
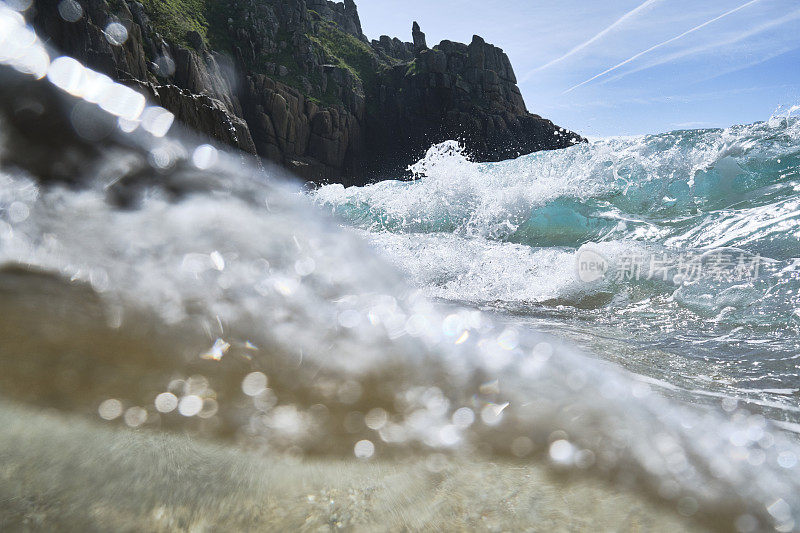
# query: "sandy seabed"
{"type": "Point", "coordinates": [61, 472]}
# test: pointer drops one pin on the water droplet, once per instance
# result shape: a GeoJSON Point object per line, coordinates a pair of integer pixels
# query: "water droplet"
{"type": "Point", "coordinates": [190, 405]}
{"type": "Point", "coordinates": [508, 340]}
{"type": "Point", "coordinates": [110, 409]}
{"type": "Point", "coordinates": [304, 267]}
{"type": "Point", "coordinates": [561, 451]}
{"type": "Point", "coordinates": [449, 435]}
{"type": "Point", "coordinates": [463, 417]}
{"type": "Point", "coordinates": [157, 121]}
{"type": "Point", "coordinates": [117, 99]}
{"type": "Point", "coordinates": [376, 418]}
{"type": "Point", "coordinates": [164, 66]}
{"type": "Point", "coordinates": [787, 459]}
{"type": "Point", "coordinates": [18, 212]}
{"type": "Point", "coordinates": [135, 416]}
{"type": "Point", "coordinates": [254, 383]}
{"type": "Point", "coordinates": [205, 156]}
{"type": "Point", "coordinates": [126, 125]}
{"type": "Point", "coordinates": [161, 158]}
{"type": "Point", "coordinates": [67, 74]}
{"type": "Point", "coordinates": [730, 404]}
{"type": "Point", "coordinates": [210, 408]}
{"type": "Point", "coordinates": [166, 402]}
{"type": "Point", "coordinates": [364, 449]}
{"type": "Point", "coordinates": [70, 10]}
{"type": "Point", "coordinates": [452, 325]}
{"type": "Point", "coordinates": [116, 34]}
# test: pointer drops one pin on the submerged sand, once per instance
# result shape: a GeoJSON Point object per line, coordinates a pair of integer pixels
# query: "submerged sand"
{"type": "Point", "coordinates": [61, 472]}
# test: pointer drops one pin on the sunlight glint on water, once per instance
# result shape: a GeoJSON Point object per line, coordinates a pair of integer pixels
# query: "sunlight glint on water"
{"type": "Point", "coordinates": [238, 311]}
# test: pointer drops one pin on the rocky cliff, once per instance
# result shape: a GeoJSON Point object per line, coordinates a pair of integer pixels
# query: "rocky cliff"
{"type": "Point", "coordinates": [297, 82]}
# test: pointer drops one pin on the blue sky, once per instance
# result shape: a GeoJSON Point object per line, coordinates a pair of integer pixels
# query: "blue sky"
{"type": "Point", "coordinates": [621, 67]}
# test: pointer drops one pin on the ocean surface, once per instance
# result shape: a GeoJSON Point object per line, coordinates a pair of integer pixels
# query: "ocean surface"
{"type": "Point", "coordinates": [624, 311]}
{"type": "Point", "coordinates": [699, 231]}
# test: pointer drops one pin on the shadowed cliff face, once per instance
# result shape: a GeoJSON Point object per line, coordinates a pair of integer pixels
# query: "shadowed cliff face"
{"type": "Point", "coordinates": [298, 83]}
{"type": "Point", "coordinates": [196, 85]}
{"type": "Point", "coordinates": [463, 92]}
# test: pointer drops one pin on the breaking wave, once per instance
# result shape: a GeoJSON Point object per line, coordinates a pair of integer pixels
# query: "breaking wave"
{"type": "Point", "coordinates": [226, 304]}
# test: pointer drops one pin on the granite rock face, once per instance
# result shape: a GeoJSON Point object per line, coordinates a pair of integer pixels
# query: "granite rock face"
{"type": "Point", "coordinates": [419, 38]}
{"type": "Point", "coordinates": [297, 82]}
{"type": "Point", "coordinates": [344, 14]}
{"type": "Point", "coordinates": [463, 92]}
{"type": "Point", "coordinates": [192, 84]}
{"type": "Point", "coordinates": [305, 108]}
{"type": "Point", "coordinates": [393, 49]}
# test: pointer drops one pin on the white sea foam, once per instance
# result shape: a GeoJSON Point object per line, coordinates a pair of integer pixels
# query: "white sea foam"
{"type": "Point", "coordinates": [199, 295]}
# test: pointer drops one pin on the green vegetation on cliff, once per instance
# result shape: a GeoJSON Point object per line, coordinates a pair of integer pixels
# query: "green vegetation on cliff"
{"type": "Point", "coordinates": [352, 54]}
{"type": "Point", "coordinates": [347, 51]}
{"type": "Point", "coordinates": [173, 19]}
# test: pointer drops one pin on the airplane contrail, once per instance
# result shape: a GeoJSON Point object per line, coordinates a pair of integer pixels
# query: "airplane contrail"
{"type": "Point", "coordinates": [659, 45]}
{"type": "Point", "coordinates": [754, 63]}
{"type": "Point", "coordinates": [633, 12]}
{"type": "Point", "coordinates": [701, 49]}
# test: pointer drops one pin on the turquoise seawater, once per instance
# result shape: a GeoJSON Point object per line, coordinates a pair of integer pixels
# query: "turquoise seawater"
{"type": "Point", "coordinates": [623, 311]}
{"type": "Point", "coordinates": [698, 230]}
